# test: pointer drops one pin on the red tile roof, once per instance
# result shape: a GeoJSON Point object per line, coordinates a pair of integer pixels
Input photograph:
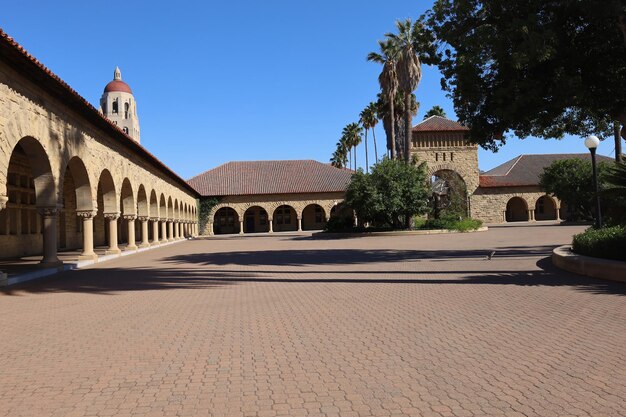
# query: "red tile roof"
{"type": "Point", "coordinates": [16, 56]}
{"type": "Point", "coordinates": [271, 177]}
{"type": "Point", "coordinates": [526, 169]}
{"type": "Point", "coordinates": [439, 124]}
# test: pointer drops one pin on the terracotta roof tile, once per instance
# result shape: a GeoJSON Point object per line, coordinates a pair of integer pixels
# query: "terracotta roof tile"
{"type": "Point", "coordinates": [526, 169]}
{"type": "Point", "coordinates": [271, 177]}
{"type": "Point", "coordinates": [439, 124]}
{"type": "Point", "coordinates": [13, 53]}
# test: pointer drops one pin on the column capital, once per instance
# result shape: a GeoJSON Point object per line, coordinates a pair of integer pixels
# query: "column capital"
{"type": "Point", "coordinates": [48, 211]}
{"type": "Point", "coordinates": [3, 201]}
{"type": "Point", "coordinates": [86, 214]}
{"type": "Point", "coordinates": [155, 219]}
{"type": "Point", "coordinates": [112, 216]}
{"type": "Point", "coordinates": [129, 217]}
{"type": "Point", "coordinates": [143, 218]}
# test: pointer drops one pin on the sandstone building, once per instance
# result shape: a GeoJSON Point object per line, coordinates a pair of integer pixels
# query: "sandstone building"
{"type": "Point", "coordinates": [271, 196]}
{"type": "Point", "coordinates": [72, 179]}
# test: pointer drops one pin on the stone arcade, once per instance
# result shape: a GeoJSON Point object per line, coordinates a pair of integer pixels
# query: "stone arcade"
{"type": "Point", "coordinates": [72, 179]}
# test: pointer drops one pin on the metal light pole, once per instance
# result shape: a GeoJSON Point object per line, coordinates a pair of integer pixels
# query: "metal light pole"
{"type": "Point", "coordinates": [592, 143]}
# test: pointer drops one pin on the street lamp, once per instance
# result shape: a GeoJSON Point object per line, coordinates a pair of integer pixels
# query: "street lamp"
{"type": "Point", "coordinates": [592, 142]}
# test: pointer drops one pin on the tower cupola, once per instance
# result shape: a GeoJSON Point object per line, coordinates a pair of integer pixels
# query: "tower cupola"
{"type": "Point", "coordinates": [118, 105]}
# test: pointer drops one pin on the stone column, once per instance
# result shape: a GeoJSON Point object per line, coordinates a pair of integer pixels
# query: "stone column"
{"type": "Point", "coordinates": [180, 230]}
{"type": "Point", "coordinates": [299, 224]}
{"type": "Point", "coordinates": [531, 215]}
{"type": "Point", "coordinates": [271, 224]}
{"type": "Point", "coordinates": [211, 229]}
{"type": "Point", "coordinates": [87, 216]}
{"type": "Point", "coordinates": [176, 224]}
{"type": "Point", "coordinates": [170, 230]}
{"type": "Point", "coordinates": [163, 230]}
{"type": "Point", "coordinates": [113, 248]}
{"type": "Point", "coordinates": [558, 214]}
{"type": "Point", "coordinates": [4, 279]}
{"type": "Point", "coordinates": [241, 227]}
{"type": "Point", "coordinates": [49, 215]}
{"type": "Point", "coordinates": [155, 231]}
{"type": "Point", "coordinates": [145, 242]}
{"type": "Point", "coordinates": [130, 221]}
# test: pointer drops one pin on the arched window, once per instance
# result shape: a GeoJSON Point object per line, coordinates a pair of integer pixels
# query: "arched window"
{"type": "Point", "coordinates": [115, 107]}
{"type": "Point", "coordinates": [125, 129]}
{"type": "Point", "coordinates": [126, 107]}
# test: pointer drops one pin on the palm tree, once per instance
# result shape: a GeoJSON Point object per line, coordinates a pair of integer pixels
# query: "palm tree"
{"type": "Point", "coordinates": [352, 134]}
{"type": "Point", "coordinates": [435, 111]}
{"type": "Point", "coordinates": [388, 80]}
{"type": "Point", "coordinates": [369, 119]}
{"type": "Point", "coordinates": [412, 39]}
{"type": "Point", "coordinates": [385, 116]}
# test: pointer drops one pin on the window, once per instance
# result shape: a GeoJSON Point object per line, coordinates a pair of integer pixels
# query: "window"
{"type": "Point", "coordinates": [444, 156]}
{"type": "Point", "coordinates": [540, 206]}
{"type": "Point", "coordinates": [125, 129]}
{"type": "Point", "coordinates": [115, 107]}
{"type": "Point", "coordinates": [451, 156]}
{"type": "Point", "coordinates": [126, 106]}
{"type": "Point", "coordinates": [436, 156]}
{"type": "Point", "coordinates": [263, 218]}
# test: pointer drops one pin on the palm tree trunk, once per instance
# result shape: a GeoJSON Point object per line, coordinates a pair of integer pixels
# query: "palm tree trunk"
{"type": "Point", "coordinates": [407, 127]}
{"type": "Point", "coordinates": [618, 140]}
{"type": "Point", "coordinates": [375, 150]}
{"type": "Point", "coordinates": [355, 161]}
{"type": "Point", "coordinates": [393, 128]}
{"type": "Point", "coordinates": [367, 163]}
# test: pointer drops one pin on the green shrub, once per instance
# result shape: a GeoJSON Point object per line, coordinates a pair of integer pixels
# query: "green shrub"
{"type": "Point", "coordinates": [339, 224]}
{"type": "Point", "coordinates": [608, 243]}
{"type": "Point", "coordinates": [451, 223]}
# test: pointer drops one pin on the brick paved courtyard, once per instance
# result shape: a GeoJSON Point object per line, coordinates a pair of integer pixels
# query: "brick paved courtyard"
{"type": "Point", "coordinates": [294, 326]}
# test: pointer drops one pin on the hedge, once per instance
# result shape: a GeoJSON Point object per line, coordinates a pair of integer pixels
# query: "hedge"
{"type": "Point", "coordinates": [607, 243]}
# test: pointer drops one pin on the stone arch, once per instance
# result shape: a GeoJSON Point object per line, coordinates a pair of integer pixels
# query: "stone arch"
{"type": "Point", "coordinates": [545, 208]}
{"type": "Point", "coordinates": [36, 158]}
{"type": "Point", "coordinates": [82, 184]}
{"type": "Point", "coordinates": [162, 207]}
{"type": "Point", "coordinates": [313, 217]}
{"type": "Point", "coordinates": [256, 220]}
{"type": "Point", "coordinates": [285, 218]}
{"type": "Point", "coordinates": [144, 208]}
{"type": "Point", "coordinates": [106, 191]}
{"type": "Point", "coordinates": [455, 199]}
{"type": "Point", "coordinates": [516, 210]}
{"type": "Point", "coordinates": [226, 221]}
{"type": "Point", "coordinates": [127, 199]}
{"type": "Point", "coordinates": [170, 208]}
{"type": "Point", "coordinates": [176, 210]}
{"type": "Point", "coordinates": [154, 205]}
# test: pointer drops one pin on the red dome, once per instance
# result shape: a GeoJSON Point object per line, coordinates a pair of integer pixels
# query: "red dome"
{"type": "Point", "coordinates": [117, 86]}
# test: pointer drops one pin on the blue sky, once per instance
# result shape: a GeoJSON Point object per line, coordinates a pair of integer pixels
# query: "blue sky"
{"type": "Point", "coordinates": [245, 80]}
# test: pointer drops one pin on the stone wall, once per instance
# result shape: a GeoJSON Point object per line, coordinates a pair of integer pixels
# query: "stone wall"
{"type": "Point", "coordinates": [490, 204]}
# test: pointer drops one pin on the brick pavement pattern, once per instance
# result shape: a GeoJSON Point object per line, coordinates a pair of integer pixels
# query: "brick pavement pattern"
{"type": "Point", "coordinates": [294, 326]}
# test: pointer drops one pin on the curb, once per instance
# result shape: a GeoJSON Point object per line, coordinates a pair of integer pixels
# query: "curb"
{"type": "Point", "coordinates": [46, 272]}
{"type": "Point", "coordinates": [564, 258]}
{"type": "Point", "coordinates": [398, 233]}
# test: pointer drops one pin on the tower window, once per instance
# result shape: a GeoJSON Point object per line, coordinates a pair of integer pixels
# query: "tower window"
{"type": "Point", "coordinates": [115, 107]}
{"type": "Point", "coordinates": [125, 130]}
{"type": "Point", "coordinates": [451, 156]}
{"type": "Point", "coordinates": [436, 156]}
{"type": "Point", "coordinates": [444, 156]}
{"type": "Point", "coordinates": [126, 110]}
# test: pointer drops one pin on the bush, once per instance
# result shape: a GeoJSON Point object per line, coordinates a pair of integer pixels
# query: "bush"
{"type": "Point", "coordinates": [451, 223]}
{"type": "Point", "coordinates": [338, 224]}
{"type": "Point", "coordinates": [607, 243]}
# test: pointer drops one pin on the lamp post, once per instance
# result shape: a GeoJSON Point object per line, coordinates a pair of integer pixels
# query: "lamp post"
{"type": "Point", "coordinates": [592, 142]}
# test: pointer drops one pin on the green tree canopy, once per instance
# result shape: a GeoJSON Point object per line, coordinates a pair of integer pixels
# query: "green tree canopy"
{"type": "Point", "coordinates": [393, 192]}
{"type": "Point", "coordinates": [534, 67]}
{"type": "Point", "coordinates": [571, 181]}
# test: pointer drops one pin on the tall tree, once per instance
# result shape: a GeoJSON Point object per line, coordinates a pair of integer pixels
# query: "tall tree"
{"type": "Point", "coordinates": [398, 120]}
{"type": "Point", "coordinates": [353, 134]}
{"type": "Point", "coordinates": [540, 68]}
{"type": "Point", "coordinates": [369, 119]}
{"type": "Point", "coordinates": [435, 111]}
{"type": "Point", "coordinates": [388, 80]}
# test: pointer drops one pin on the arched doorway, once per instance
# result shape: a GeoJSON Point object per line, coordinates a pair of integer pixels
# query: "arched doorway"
{"type": "Point", "coordinates": [108, 212]}
{"type": "Point", "coordinates": [449, 193]}
{"type": "Point", "coordinates": [31, 193]}
{"type": "Point", "coordinates": [76, 208]}
{"type": "Point", "coordinates": [226, 221]}
{"type": "Point", "coordinates": [516, 210]}
{"type": "Point", "coordinates": [545, 208]}
{"type": "Point", "coordinates": [313, 217]}
{"type": "Point", "coordinates": [285, 219]}
{"type": "Point", "coordinates": [256, 220]}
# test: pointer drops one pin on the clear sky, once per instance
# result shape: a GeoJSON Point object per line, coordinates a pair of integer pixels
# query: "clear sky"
{"type": "Point", "coordinates": [235, 80]}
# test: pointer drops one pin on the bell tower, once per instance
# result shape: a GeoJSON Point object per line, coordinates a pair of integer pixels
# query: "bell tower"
{"type": "Point", "coordinates": [118, 105]}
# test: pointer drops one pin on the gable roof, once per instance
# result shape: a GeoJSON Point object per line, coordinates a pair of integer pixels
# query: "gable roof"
{"type": "Point", "coordinates": [439, 124]}
{"type": "Point", "coordinates": [14, 55]}
{"type": "Point", "coordinates": [271, 177]}
{"type": "Point", "coordinates": [525, 170]}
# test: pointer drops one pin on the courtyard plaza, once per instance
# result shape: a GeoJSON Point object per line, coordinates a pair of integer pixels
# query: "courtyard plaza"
{"type": "Point", "coordinates": [297, 325]}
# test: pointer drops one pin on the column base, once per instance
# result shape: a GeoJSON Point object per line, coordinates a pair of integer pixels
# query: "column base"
{"type": "Point", "coordinates": [145, 245]}
{"type": "Point", "coordinates": [87, 257]}
{"type": "Point", "coordinates": [129, 247]}
{"type": "Point", "coordinates": [50, 264]}
{"type": "Point", "coordinates": [163, 241]}
{"type": "Point", "coordinates": [155, 243]}
{"type": "Point", "coordinates": [115, 251]}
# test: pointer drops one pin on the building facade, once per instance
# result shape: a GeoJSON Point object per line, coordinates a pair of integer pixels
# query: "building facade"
{"type": "Point", "coordinates": [72, 179]}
